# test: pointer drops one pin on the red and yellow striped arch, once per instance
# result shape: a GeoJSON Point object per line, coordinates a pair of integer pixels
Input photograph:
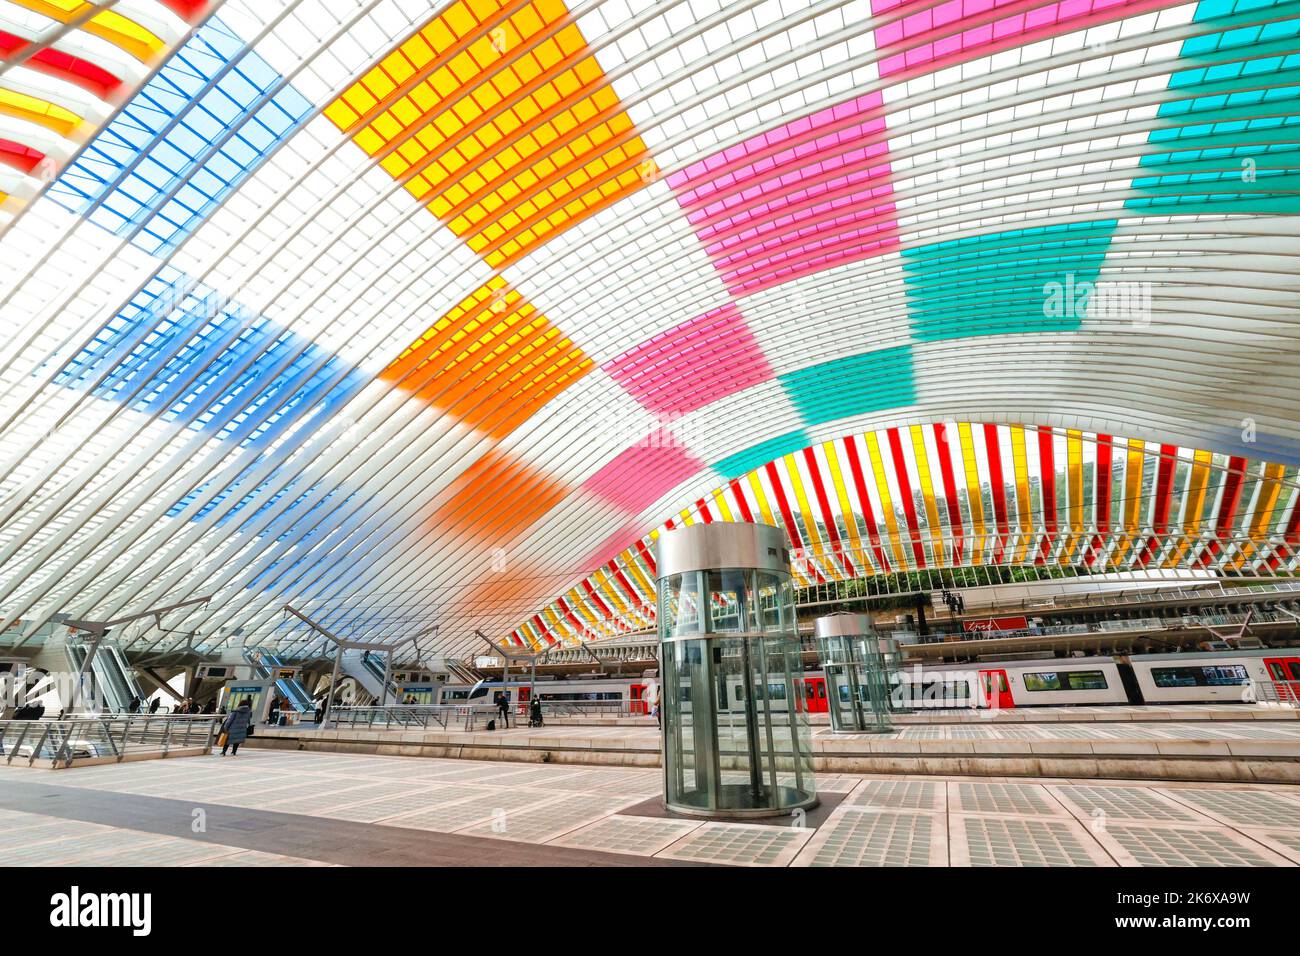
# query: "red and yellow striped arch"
{"type": "Point", "coordinates": [961, 495]}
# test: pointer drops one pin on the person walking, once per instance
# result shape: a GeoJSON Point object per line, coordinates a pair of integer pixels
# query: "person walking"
{"type": "Point", "coordinates": [235, 727]}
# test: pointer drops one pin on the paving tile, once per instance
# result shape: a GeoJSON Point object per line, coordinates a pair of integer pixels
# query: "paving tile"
{"type": "Point", "coordinates": [871, 837]}
{"type": "Point", "coordinates": [739, 844]}
{"type": "Point", "coordinates": [1249, 808]}
{"type": "Point", "coordinates": [1012, 798]}
{"type": "Point", "coordinates": [900, 795]}
{"type": "Point", "coordinates": [1125, 803]}
{"type": "Point", "coordinates": [1134, 844]}
{"type": "Point", "coordinates": [541, 824]}
{"type": "Point", "coordinates": [640, 836]}
{"type": "Point", "coordinates": [1011, 841]}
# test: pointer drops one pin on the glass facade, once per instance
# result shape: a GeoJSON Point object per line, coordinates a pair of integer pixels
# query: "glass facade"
{"type": "Point", "coordinates": [736, 735]}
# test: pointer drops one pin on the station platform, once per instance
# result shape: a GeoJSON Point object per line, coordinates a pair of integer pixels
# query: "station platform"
{"type": "Point", "coordinates": [1021, 715]}
{"type": "Point", "coordinates": [292, 809]}
{"type": "Point", "coordinates": [1245, 744]}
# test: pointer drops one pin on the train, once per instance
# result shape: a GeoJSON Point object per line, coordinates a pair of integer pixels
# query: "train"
{"type": "Point", "coordinates": [639, 694]}
{"type": "Point", "coordinates": [1222, 676]}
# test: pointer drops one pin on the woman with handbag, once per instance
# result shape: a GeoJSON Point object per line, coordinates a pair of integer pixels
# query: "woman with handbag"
{"type": "Point", "coordinates": [235, 727]}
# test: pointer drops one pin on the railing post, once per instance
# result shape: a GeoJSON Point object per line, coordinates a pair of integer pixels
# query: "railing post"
{"type": "Point", "coordinates": [58, 755]}
{"type": "Point", "coordinates": [21, 738]}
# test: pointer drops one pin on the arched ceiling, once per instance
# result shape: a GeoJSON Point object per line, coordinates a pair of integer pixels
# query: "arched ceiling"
{"type": "Point", "coordinates": [401, 312]}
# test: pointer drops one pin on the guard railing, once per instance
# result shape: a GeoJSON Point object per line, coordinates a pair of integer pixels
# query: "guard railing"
{"type": "Point", "coordinates": [411, 716]}
{"type": "Point", "coordinates": [63, 742]}
{"type": "Point", "coordinates": [1285, 693]}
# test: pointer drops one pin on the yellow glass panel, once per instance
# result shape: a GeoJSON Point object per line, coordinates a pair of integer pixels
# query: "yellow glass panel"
{"type": "Point", "coordinates": [123, 32]}
{"type": "Point", "coordinates": [508, 182]}
{"type": "Point", "coordinates": [41, 112]}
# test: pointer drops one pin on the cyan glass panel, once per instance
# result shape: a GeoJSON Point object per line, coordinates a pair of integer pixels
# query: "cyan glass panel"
{"type": "Point", "coordinates": [1003, 282]}
{"type": "Point", "coordinates": [1226, 149]}
{"type": "Point", "coordinates": [742, 463]}
{"type": "Point", "coordinates": [854, 385]}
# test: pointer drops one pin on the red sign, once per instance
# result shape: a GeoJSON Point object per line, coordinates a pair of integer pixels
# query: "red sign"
{"type": "Point", "coordinates": [996, 624]}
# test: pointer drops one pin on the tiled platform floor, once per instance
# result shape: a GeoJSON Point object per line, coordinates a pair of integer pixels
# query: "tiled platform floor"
{"type": "Point", "coordinates": [895, 821]}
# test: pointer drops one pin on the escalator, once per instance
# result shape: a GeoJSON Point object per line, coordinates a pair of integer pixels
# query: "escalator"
{"type": "Point", "coordinates": [115, 683]}
{"type": "Point", "coordinates": [265, 664]}
{"type": "Point", "coordinates": [367, 670]}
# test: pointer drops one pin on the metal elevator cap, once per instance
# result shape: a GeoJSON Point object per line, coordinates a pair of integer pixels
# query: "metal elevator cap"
{"type": "Point", "coordinates": [722, 544]}
{"type": "Point", "coordinates": [843, 624]}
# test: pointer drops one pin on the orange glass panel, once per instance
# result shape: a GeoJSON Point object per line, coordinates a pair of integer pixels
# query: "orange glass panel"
{"type": "Point", "coordinates": [492, 361]}
{"type": "Point", "coordinates": [495, 500]}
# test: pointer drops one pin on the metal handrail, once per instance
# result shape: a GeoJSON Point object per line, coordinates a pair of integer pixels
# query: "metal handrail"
{"type": "Point", "coordinates": [401, 715]}
{"type": "Point", "coordinates": [1284, 693]}
{"type": "Point", "coordinates": [65, 741]}
{"type": "Point", "coordinates": [470, 717]}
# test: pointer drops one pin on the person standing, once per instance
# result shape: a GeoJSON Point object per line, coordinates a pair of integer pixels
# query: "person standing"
{"type": "Point", "coordinates": [235, 727]}
{"type": "Point", "coordinates": [503, 708]}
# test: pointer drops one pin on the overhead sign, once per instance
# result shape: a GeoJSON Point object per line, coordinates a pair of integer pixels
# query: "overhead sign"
{"type": "Point", "coordinates": [996, 624]}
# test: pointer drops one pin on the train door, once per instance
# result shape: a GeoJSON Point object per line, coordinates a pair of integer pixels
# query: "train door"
{"type": "Point", "coordinates": [997, 690]}
{"type": "Point", "coordinates": [1285, 674]}
{"type": "Point", "coordinates": [815, 694]}
{"type": "Point", "coordinates": [524, 694]}
{"type": "Point", "coordinates": [637, 699]}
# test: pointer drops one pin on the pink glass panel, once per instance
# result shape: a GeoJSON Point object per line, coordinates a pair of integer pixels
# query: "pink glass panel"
{"type": "Point", "coordinates": [803, 197]}
{"type": "Point", "coordinates": [936, 41]}
{"type": "Point", "coordinates": [696, 363]}
{"type": "Point", "coordinates": [644, 473]}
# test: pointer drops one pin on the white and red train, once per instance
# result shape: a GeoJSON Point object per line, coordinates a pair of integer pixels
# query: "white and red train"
{"type": "Point", "coordinates": [1225, 676]}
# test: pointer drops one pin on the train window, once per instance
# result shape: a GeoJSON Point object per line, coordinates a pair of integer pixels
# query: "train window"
{"type": "Point", "coordinates": [1065, 680]}
{"type": "Point", "coordinates": [1211, 675]}
{"type": "Point", "coordinates": [1047, 680]}
{"type": "Point", "coordinates": [1295, 670]}
{"type": "Point", "coordinates": [1275, 671]}
{"type": "Point", "coordinates": [1085, 680]}
{"type": "Point", "coordinates": [946, 690]}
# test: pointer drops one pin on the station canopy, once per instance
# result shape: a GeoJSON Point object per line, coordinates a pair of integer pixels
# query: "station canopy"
{"type": "Point", "coordinates": [411, 314]}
